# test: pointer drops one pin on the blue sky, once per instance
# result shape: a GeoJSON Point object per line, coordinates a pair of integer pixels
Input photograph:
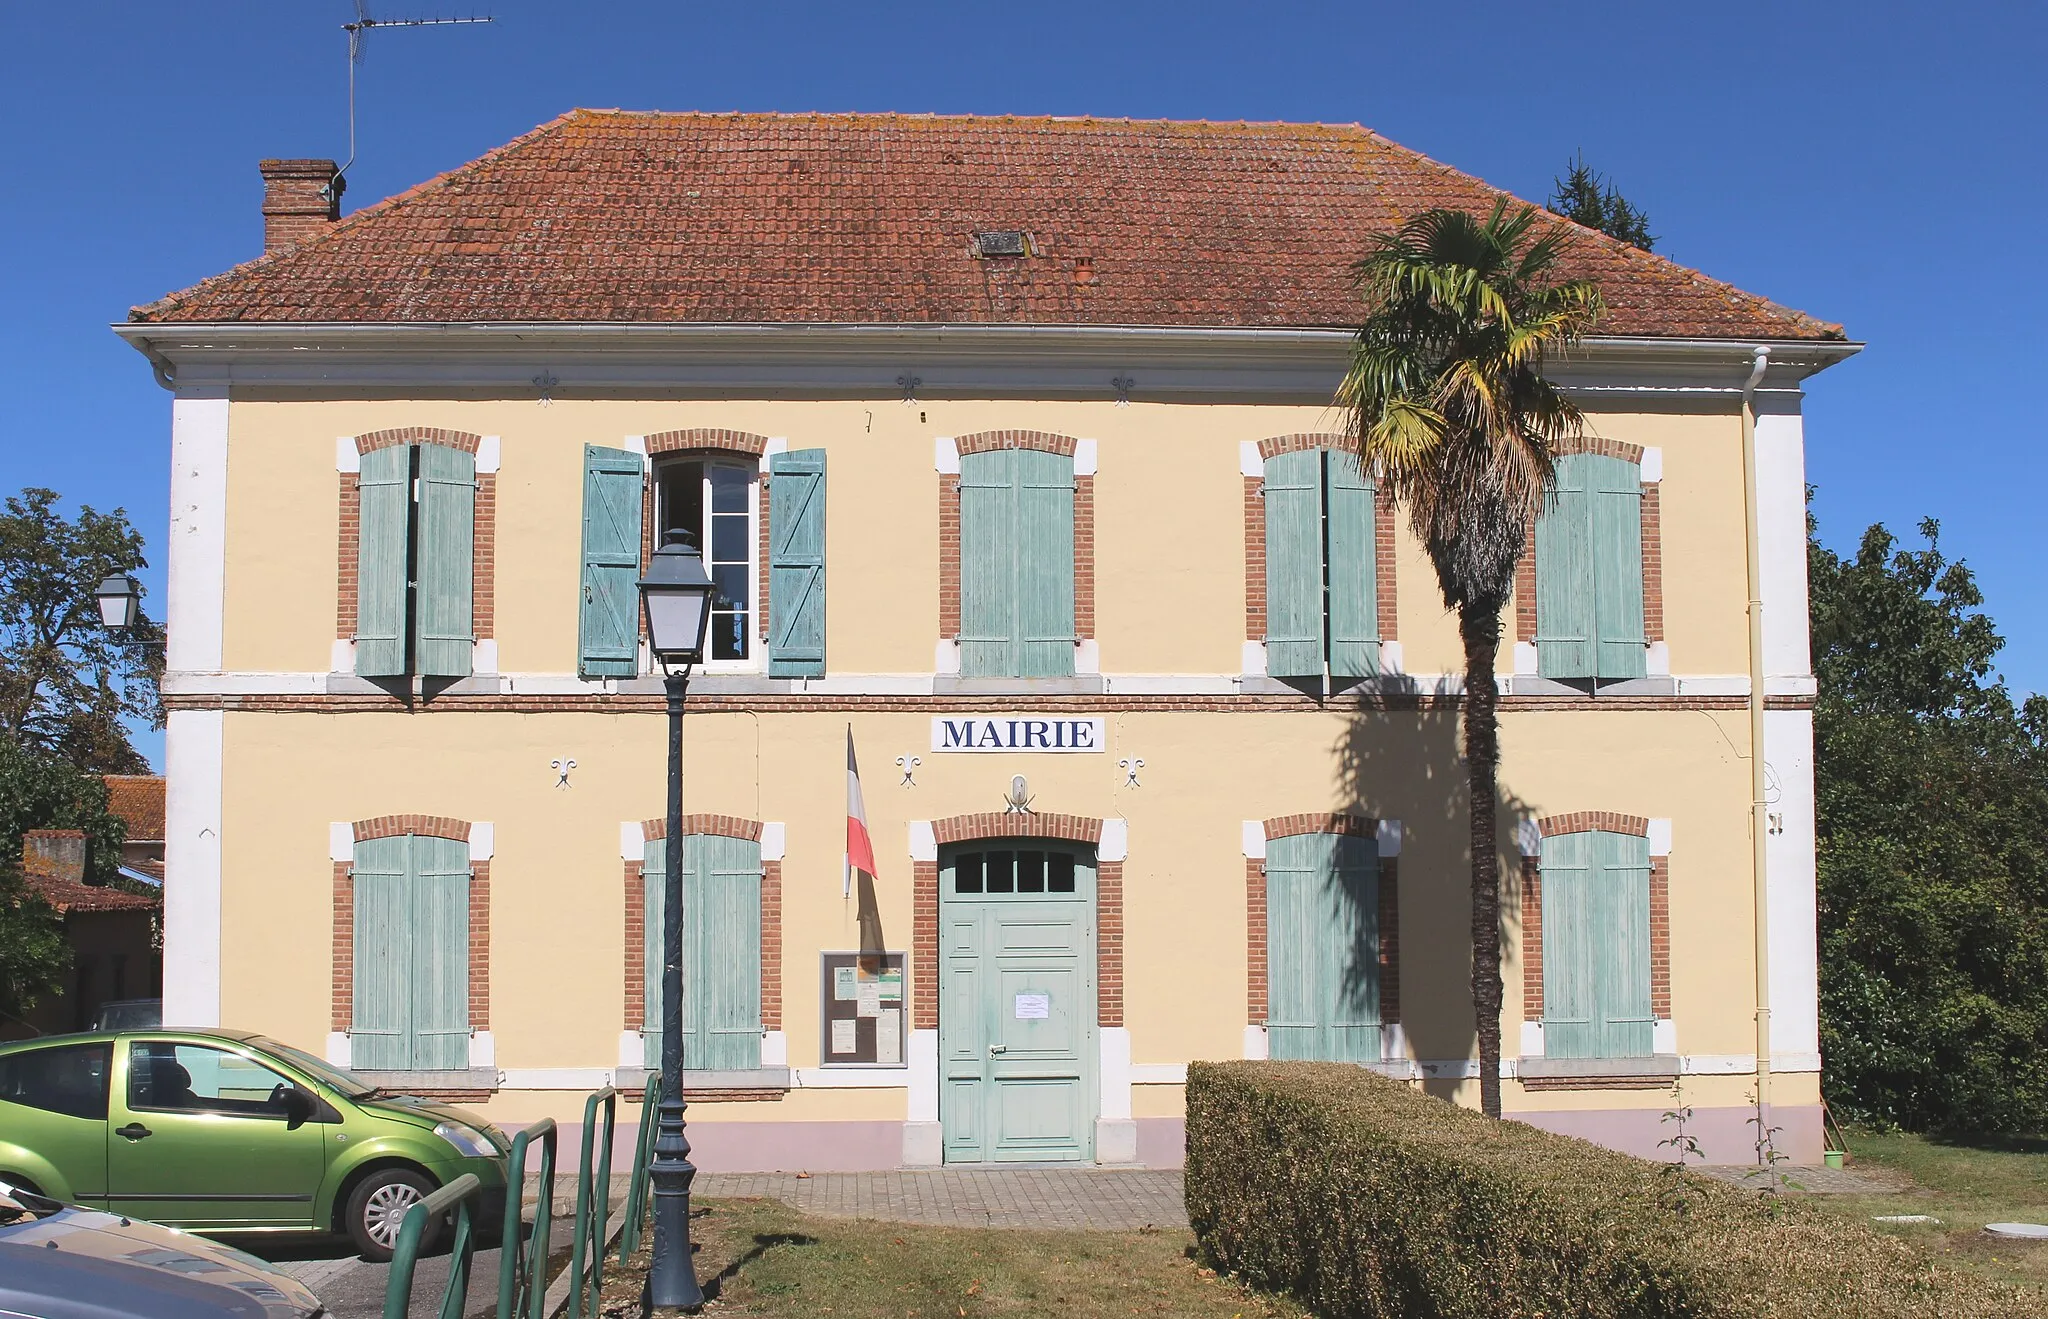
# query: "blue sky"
{"type": "Point", "coordinates": [1880, 165]}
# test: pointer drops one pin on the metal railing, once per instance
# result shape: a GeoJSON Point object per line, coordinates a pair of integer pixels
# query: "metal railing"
{"type": "Point", "coordinates": [457, 1195]}
{"type": "Point", "coordinates": [586, 1260]}
{"type": "Point", "coordinates": [643, 1163]}
{"type": "Point", "coordinates": [524, 1257]}
{"type": "Point", "coordinates": [523, 1265]}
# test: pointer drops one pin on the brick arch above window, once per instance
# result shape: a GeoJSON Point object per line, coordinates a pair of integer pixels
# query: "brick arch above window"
{"type": "Point", "coordinates": [429, 826]}
{"type": "Point", "coordinates": [703, 438]}
{"type": "Point", "coordinates": [385, 439]}
{"type": "Point", "coordinates": [1043, 441]}
{"type": "Point", "coordinates": [1006, 824]}
{"type": "Point", "coordinates": [1578, 822]}
{"type": "Point", "coordinates": [1274, 445]}
{"type": "Point", "coordinates": [1323, 822]}
{"type": "Point", "coordinates": [1606, 448]}
{"type": "Point", "coordinates": [722, 826]}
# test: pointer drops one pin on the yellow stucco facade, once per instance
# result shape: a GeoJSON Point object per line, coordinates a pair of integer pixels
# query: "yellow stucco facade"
{"type": "Point", "coordinates": [304, 749]}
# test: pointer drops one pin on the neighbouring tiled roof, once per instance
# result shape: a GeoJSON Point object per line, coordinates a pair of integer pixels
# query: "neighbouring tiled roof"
{"type": "Point", "coordinates": [67, 894]}
{"type": "Point", "coordinates": [615, 217]}
{"type": "Point", "coordinates": [139, 800]}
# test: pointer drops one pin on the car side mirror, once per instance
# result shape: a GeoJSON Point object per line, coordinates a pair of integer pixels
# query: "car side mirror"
{"type": "Point", "coordinates": [299, 1108]}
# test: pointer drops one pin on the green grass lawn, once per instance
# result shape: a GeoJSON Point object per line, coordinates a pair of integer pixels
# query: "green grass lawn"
{"type": "Point", "coordinates": [1965, 1185]}
{"type": "Point", "coordinates": [760, 1257]}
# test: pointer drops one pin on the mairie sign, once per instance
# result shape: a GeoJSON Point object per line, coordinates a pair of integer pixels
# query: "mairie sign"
{"type": "Point", "coordinates": [1015, 732]}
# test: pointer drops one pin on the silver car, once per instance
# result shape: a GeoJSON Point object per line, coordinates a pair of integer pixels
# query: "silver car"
{"type": "Point", "coordinates": [58, 1261]}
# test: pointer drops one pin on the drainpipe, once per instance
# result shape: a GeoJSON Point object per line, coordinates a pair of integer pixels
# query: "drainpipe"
{"type": "Point", "coordinates": [1758, 806]}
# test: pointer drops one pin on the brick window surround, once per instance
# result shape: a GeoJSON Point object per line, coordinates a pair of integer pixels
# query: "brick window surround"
{"type": "Point", "coordinates": [710, 442]}
{"type": "Point", "coordinates": [991, 825]}
{"type": "Point", "coordinates": [723, 826]}
{"type": "Point", "coordinates": [1653, 547]}
{"type": "Point", "coordinates": [483, 541]}
{"type": "Point", "coordinates": [344, 974]}
{"type": "Point", "coordinates": [949, 527]}
{"type": "Point", "coordinates": [1532, 909]}
{"type": "Point", "coordinates": [1257, 970]}
{"type": "Point", "coordinates": [1383, 508]}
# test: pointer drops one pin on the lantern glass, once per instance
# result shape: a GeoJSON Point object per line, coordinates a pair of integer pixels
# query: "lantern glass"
{"type": "Point", "coordinates": [118, 599]}
{"type": "Point", "coordinates": [676, 595]}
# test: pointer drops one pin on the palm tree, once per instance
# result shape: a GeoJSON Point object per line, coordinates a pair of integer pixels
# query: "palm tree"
{"type": "Point", "coordinates": [1446, 396]}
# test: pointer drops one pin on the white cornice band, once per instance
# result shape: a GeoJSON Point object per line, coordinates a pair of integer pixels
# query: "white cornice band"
{"type": "Point", "coordinates": [865, 360]}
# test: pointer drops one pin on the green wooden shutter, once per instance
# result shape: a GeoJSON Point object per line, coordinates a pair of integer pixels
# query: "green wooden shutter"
{"type": "Point", "coordinates": [724, 996]}
{"type": "Point", "coordinates": [1571, 1027]}
{"type": "Point", "coordinates": [1294, 564]}
{"type": "Point", "coordinates": [1621, 973]}
{"type": "Point", "coordinates": [1565, 627]}
{"type": "Point", "coordinates": [1353, 581]}
{"type": "Point", "coordinates": [380, 1020]}
{"type": "Point", "coordinates": [607, 619]}
{"type": "Point", "coordinates": [1322, 948]}
{"type": "Point", "coordinates": [988, 543]}
{"type": "Point", "coordinates": [440, 948]}
{"type": "Point", "coordinates": [654, 860]}
{"type": "Point", "coordinates": [1044, 564]}
{"type": "Point", "coordinates": [796, 564]}
{"type": "Point", "coordinates": [444, 627]}
{"type": "Point", "coordinates": [384, 519]}
{"type": "Point", "coordinates": [1615, 495]}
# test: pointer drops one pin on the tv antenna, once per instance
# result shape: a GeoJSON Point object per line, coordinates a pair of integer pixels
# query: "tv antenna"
{"type": "Point", "coordinates": [357, 32]}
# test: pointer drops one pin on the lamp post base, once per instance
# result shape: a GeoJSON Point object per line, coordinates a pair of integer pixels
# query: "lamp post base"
{"type": "Point", "coordinates": [672, 1277]}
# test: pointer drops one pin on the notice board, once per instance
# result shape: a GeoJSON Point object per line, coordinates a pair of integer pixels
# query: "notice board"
{"type": "Point", "coordinates": [864, 1022]}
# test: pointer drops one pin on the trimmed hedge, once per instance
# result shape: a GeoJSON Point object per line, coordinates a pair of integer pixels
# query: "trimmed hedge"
{"type": "Point", "coordinates": [1364, 1197]}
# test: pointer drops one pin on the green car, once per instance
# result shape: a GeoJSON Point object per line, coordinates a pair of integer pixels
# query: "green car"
{"type": "Point", "coordinates": [228, 1132]}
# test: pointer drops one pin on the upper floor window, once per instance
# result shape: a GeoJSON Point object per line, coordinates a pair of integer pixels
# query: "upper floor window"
{"type": "Point", "coordinates": [713, 500]}
{"type": "Point", "coordinates": [1016, 564]}
{"type": "Point", "coordinates": [1589, 572]}
{"type": "Point", "coordinates": [415, 556]}
{"type": "Point", "coordinates": [1322, 608]}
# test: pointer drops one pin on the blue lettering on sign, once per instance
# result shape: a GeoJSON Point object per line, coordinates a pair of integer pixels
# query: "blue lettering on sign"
{"type": "Point", "coordinates": [957, 733]}
{"type": "Point", "coordinates": [1016, 733]}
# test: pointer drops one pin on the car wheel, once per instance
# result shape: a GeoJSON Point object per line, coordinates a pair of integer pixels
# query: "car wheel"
{"type": "Point", "coordinates": [377, 1208]}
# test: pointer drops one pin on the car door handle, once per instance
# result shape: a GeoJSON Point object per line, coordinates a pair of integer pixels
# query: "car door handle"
{"type": "Point", "coordinates": [133, 1131]}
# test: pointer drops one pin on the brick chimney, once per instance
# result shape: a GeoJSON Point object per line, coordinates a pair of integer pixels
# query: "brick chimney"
{"type": "Point", "coordinates": [298, 201]}
{"type": "Point", "coordinates": [58, 853]}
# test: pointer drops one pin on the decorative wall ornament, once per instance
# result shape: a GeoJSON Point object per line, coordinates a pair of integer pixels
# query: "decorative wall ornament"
{"type": "Point", "coordinates": [545, 382]}
{"type": "Point", "coordinates": [1018, 800]}
{"type": "Point", "coordinates": [1130, 766]}
{"type": "Point", "coordinates": [561, 767]}
{"type": "Point", "coordinates": [908, 764]}
{"type": "Point", "coordinates": [1123, 389]}
{"type": "Point", "coordinates": [908, 384]}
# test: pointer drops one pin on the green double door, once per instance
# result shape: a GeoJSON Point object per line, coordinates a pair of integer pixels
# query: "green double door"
{"type": "Point", "coordinates": [1017, 1044]}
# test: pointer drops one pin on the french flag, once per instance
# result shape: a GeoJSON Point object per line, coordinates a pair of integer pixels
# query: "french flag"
{"type": "Point", "coordinates": [860, 849]}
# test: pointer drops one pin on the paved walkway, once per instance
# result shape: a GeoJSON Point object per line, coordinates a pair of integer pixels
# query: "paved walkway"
{"type": "Point", "coordinates": [1100, 1198]}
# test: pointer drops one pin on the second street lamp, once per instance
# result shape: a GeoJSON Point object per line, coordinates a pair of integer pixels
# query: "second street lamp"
{"type": "Point", "coordinates": [675, 597]}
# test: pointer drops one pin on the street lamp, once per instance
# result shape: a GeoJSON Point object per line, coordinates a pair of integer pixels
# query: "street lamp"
{"type": "Point", "coordinates": [120, 601]}
{"type": "Point", "coordinates": [676, 599]}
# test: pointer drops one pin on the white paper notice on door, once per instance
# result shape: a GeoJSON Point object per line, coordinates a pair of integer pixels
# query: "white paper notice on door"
{"type": "Point", "coordinates": [842, 1036]}
{"type": "Point", "coordinates": [889, 1038]}
{"type": "Point", "coordinates": [1034, 1007]}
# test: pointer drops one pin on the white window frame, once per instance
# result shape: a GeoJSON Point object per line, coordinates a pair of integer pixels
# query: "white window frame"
{"type": "Point", "coordinates": [757, 649]}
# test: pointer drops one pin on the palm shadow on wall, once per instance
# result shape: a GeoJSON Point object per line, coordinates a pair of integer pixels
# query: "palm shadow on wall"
{"type": "Point", "coordinates": [1400, 757]}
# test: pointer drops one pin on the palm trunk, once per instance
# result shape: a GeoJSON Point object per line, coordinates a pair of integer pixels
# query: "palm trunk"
{"type": "Point", "coordinates": [1480, 628]}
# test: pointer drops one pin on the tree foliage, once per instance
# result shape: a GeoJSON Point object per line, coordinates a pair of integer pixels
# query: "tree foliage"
{"type": "Point", "coordinates": [1933, 848]}
{"type": "Point", "coordinates": [1447, 397]}
{"type": "Point", "coordinates": [1588, 197]}
{"type": "Point", "coordinates": [65, 683]}
{"type": "Point", "coordinates": [39, 790]}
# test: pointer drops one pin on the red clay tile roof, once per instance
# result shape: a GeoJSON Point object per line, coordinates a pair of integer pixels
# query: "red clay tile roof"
{"type": "Point", "coordinates": [139, 800]}
{"type": "Point", "coordinates": [610, 216]}
{"type": "Point", "coordinates": [66, 894]}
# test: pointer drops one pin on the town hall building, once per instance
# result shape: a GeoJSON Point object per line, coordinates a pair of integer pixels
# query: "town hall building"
{"type": "Point", "coordinates": [1010, 446]}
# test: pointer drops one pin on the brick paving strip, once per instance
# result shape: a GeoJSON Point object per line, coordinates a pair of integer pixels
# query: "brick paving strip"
{"type": "Point", "coordinates": [1093, 1198]}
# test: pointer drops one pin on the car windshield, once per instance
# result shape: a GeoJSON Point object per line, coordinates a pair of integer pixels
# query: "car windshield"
{"type": "Point", "coordinates": [321, 1071]}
